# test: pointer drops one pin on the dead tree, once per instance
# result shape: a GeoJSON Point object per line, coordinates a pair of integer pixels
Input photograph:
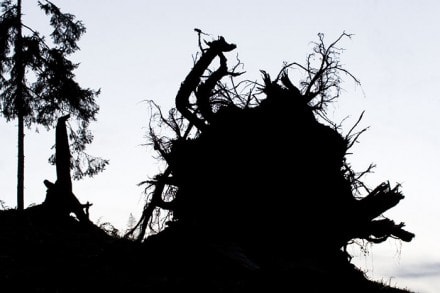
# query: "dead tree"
{"type": "Point", "coordinates": [60, 200]}
{"type": "Point", "coordinates": [268, 173]}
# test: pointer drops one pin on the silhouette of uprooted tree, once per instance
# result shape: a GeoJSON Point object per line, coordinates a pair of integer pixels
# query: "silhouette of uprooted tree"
{"type": "Point", "coordinates": [261, 164]}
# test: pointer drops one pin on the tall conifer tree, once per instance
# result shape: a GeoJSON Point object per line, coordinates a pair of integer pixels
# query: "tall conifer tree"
{"type": "Point", "coordinates": [37, 83]}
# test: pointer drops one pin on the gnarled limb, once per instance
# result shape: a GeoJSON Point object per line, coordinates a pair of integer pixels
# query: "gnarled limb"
{"type": "Point", "coordinates": [381, 199]}
{"type": "Point", "coordinates": [192, 80]}
{"type": "Point", "coordinates": [156, 201]}
{"type": "Point", "coordinates": [378, 231]}
{"type": "Point", "coordinates": [205, 90]}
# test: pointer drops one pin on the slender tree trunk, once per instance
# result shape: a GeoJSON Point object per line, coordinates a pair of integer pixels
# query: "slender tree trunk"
{"type": "Point", "coordinates": [20, 109]}
{"type": "Point", "coordinates": [20, 168]}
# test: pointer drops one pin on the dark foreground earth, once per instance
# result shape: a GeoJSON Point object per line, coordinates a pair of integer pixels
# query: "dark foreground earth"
{"type": "Point", "coordinates": [41, 254]}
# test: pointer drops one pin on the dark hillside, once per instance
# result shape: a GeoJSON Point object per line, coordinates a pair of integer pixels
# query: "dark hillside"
{"type": "Point", "coordinates": [38, 255]}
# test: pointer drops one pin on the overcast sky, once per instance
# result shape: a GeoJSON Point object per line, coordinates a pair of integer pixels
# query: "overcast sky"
{"type": "Point", "coordinates": [141, 50]}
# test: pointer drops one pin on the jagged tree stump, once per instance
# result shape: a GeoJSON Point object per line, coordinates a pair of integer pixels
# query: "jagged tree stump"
{"type": "Point", "coordinates": [60, 200]}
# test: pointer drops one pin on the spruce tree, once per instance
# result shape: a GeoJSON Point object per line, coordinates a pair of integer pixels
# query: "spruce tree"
{"type": "Point", "coordinates": [37, 83]}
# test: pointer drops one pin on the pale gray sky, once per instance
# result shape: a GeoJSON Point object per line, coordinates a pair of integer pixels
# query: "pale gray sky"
{"type": "Point", "coordinates": [138, 50]}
